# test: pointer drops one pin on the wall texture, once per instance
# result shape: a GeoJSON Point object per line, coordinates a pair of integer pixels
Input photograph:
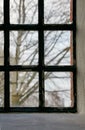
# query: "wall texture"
{"type": "Point", "coordinates": [81, 55]}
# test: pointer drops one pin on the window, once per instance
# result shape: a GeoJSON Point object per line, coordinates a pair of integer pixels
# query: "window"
{"type": "Point", "coordinates": [38, 56]}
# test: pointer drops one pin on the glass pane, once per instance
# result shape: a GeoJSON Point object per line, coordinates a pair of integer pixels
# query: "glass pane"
{"type": "Point", "coordinates": [24, 89]}
{"type": "Point", "coordinates": [1, 89]}
{"type": "Point", "coordinates": [24, 47]}
{"type": "Point", "coordinates": [1, 48]}
{"type": "Point", "coordinates": [24, 11]}
{"type": "Point", "coordinates": [58, 11]}
{"type": "Point", "coordinates": [58, 89]}
{"type": "Point", "coordinates": [58, 48]}
{"type": "Point", "coordinates": [1, 11]}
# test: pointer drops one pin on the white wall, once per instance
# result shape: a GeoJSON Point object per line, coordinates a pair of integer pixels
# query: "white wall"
{"type": "Point", "coordinates": [81, 55]}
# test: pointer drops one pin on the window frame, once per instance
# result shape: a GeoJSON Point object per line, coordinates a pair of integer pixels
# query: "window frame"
{"type": "Point", "coordinates": [6, 27]}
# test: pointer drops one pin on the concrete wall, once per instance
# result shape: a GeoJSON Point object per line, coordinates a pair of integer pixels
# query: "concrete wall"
{"type": "Point", "coordinates": [81, 55]}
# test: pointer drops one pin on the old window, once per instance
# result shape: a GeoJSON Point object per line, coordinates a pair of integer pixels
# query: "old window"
{"type": "Point", "coordinates": [38, 55]}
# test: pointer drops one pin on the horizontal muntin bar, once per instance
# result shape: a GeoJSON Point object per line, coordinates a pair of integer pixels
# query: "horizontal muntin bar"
{"type": "Point", "coordinates": [22, 68]}
{"type": "Point", "coordinates": [58, 27]}
{"type": "Point", "coordinates": [23, 27]}
{"type": "Point", "coordinates": [60, 68]}
{"type": "Point", "coordinates": [2, 68]}
{"type": "Point", "coordinates": [1, 27]}
{"type": "Point", "coordinates": [18, 68]}
{"type": "Point", "coordinates": [37, 68]}
{"type": "Point", "coordinates": [37, 27]}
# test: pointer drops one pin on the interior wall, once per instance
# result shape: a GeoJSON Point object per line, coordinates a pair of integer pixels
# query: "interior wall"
{"type": "Point", "coordinates": [81, 55]}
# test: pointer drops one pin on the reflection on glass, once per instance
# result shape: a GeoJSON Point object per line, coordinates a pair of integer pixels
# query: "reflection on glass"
{"type": "Point", "coordinates": [24, 89]}
{"type": "Point", "coordinates": [58, 48]}
{"type": "Point", "coordinates": [58, 89]}
{"type": "Point", "coordinates": [24, 47]}
{"type": "Point", "coordinates": [1, 11]}
{"type": "Point", "coordinates": [24, 11]}
{"type": "Point", "coordinates": [1, 89]}
{"type": "Point", "coordinates": [1, 48]}
{"type": "Point", "coordinates": [58, 11]}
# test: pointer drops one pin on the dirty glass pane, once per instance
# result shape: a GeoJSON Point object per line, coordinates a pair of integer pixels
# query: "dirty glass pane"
{"type": "Point", "coordinates": [58, 48]}
{"type": "Point", "coordinates": [57, 11]}
{"type": "Point", "coordinates": [24, 89]}
{"type": "Point", "coordinates": [23, 47]}
{"type": "Point", "coordinates": [58, 89]}
{"type": "Point", "coordinates": [24, 11]}
{"type": "Point", "coordinates": [1, 89]}
{"type": "Point", "coordinates": [1, 11]}
{"type": "Point", "coordinates": [1, 48]}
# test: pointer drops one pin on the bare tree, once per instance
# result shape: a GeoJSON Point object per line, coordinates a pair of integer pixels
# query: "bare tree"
{"type": "Point", "coordinates": [1, 72]}
{"type": "Point", "coordinates": [24, 86]}
{"type": "Point", "coordinates": [1, 11]}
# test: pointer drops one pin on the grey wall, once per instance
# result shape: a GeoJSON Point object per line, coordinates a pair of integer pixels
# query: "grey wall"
{"type": "Point", "coordinates": [81, 55]}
